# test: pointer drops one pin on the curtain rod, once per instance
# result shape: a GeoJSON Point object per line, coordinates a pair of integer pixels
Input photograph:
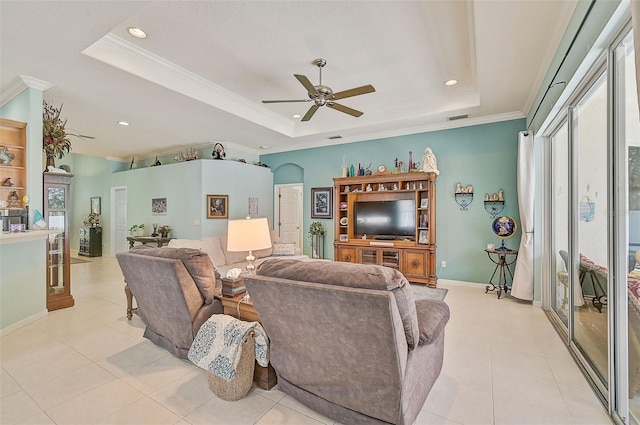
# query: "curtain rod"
{"type": "Point", "coordinates": [552, 84]}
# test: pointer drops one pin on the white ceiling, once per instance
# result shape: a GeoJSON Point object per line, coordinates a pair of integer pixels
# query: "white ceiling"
{"type": "Point", "coordinates": [201, 73]}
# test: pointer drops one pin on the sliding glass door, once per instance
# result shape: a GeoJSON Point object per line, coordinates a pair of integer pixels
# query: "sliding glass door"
{"type": "Point", "coordinates": [593, 154]}
{"type": "Point", "coordinates": [590, 256]}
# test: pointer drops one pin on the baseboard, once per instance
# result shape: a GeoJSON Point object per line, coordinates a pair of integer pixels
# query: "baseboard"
{"type": "Point", "coordinates": [23, 322]}
{"type": "Point", "coordinates": [460, 283]}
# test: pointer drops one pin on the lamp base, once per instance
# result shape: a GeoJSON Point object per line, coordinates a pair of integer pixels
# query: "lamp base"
{"type": "Point", "coordinates": [251, 268]}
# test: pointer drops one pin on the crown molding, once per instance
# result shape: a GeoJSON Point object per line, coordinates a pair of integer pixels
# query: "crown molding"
{"type": "Point", "coordinates": [122, 54]}
{"type": "Point", "coordinates": [18, 85]}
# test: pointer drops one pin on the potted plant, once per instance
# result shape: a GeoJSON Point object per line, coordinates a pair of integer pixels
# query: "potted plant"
{"type": "Point", "coordinates": [55, 140]}
{"type": "Point", "coordinates": [317, 232]}
{"type": "Point", "coordinates": [137, 230]}
{"type": "Point", "coordinates": [164, 230]}
{"type": "Point", "coordinates": [92, 220]}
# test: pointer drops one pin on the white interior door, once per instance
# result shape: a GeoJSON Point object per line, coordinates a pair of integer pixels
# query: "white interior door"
{"type": "Point", "coordinates": [288, 213]}
{"type": "Point", "coordinates": [119, 220]}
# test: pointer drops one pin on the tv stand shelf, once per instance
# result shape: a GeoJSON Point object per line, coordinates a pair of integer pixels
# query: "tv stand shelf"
{"type": "Point", "coordinates": [414, 255]}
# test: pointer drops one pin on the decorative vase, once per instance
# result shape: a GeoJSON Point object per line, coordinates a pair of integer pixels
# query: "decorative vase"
{"type": "Point", "coordinates": [51, 160]}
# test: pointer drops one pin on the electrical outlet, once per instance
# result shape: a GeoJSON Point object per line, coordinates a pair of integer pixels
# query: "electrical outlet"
{"type": "Point", "coordinates": [443, 264]}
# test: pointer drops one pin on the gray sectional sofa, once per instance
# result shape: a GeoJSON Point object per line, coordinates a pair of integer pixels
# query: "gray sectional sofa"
{"type": "Point", "coordinates": [175, 290]}
{"type": "Point", "coordinates": [349, 340]}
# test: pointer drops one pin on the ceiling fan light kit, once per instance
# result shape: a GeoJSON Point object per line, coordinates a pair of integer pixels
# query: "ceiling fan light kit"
{"type": "Point", "coordinates": [322, 95]}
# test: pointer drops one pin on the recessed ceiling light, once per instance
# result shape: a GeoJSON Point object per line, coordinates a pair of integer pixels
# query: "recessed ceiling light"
{"type": "Point", "coordinates": [296, 116]}
{"type": "Point", "coordinates": [451, 82]}
{"type": "Point", "coordinates": [123, 123]}
{"type": "Point", "coordinates": [264, 147]}
{"type": "Point", "coordinates": [137, 32]}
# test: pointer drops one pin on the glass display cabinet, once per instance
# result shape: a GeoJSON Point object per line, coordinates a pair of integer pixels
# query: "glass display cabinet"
{"type": "Point", "coordinates": [56, 212]}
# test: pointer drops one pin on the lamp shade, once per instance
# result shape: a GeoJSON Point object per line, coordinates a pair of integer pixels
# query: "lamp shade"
{"type": "Point", "coordinates": [248, 235]}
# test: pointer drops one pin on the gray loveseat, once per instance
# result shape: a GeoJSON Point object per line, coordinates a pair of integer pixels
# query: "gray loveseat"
{"type": "Point", "coordinates": [174, 289]}
{"type": "Point", "coordinates": [349, 340]}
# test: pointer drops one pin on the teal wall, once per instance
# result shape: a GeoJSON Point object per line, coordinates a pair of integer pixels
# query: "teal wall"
{"type": "Point", "coordinates": [24, 288]}
{"type": "Point", "coordinates": [185, 185]}
{"type": "Point", "coordinates": [483, 155]}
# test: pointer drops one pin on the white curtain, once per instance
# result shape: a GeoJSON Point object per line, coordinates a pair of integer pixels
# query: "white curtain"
{"type": "Point", "coordinates": [635, 19]}
{"type": "Point", "coordinates": [522, 286]}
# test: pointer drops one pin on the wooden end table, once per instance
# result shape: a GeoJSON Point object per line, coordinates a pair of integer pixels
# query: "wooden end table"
{"type": "Point", "coordinates": [264, 377]}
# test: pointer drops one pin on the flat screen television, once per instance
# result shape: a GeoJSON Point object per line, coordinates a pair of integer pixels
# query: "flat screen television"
{"type": "Point", "coordinates": [386, 219]}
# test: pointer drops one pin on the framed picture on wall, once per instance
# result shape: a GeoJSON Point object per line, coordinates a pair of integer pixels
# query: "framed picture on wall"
{"type": "Point", "coordinates": [95, 205]}
{"type": "Point", "coordinates": [217, 206]}
{"type": "Point", "coordinates": [159, 206]}
{"type": "Point", "coordinates": [253, 205]}
{"type": "Point", "coordinates": [322, 202]}
{"type": "Point", "coordinates": [423, 237]}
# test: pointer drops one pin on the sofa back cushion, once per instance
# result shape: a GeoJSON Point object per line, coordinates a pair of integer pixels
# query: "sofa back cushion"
{"type": "Point", "coordinates": [210, 246]}
{"type": "Point", "coordinates": [365, 276]}
{"type": "Point", "coordinates": [197, 263]}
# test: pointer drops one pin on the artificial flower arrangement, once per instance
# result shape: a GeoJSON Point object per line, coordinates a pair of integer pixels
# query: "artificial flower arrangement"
{"type": "Point", "coordinates": [55, 140]}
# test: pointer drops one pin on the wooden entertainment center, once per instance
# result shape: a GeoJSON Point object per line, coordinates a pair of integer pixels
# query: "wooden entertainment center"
{"type": "Point", "coordinates": [413, 255]}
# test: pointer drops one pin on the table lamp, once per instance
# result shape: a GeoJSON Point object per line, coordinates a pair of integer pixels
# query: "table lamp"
{"type": "Point", "coordinates": [248, 235]}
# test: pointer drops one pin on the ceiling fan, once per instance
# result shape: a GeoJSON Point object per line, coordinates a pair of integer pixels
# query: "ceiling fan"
{"type": "Point", "coordinates": [323, 95]}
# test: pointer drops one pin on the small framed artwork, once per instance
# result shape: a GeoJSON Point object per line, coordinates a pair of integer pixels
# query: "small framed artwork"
{"type": "Point", "coordinates": [322, 202]}
{"type": "Point", "coordinates": [159, 206]}
{"type": "Point", "coordinates": [344, 238]}
{"type": "Point", "coordinates": [424, 203]}
{"type": "Point", "coordinates": [423, 237]}
{"type": "Point", "coordinates": [95, 205]}
{"type": "Point", "coordinates": [253, 205]}
{"type": "Point", "coordinates": [217, 206]}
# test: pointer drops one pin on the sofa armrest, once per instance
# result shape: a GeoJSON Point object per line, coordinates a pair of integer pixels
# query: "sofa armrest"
{"type": "Point", "coordinates": [432, 315]}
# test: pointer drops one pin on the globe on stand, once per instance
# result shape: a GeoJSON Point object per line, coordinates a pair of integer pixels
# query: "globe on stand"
{"type": "Point", "coordinates": [504, 227]}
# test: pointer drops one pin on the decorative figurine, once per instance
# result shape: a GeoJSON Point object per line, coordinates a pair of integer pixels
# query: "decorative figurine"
{"type": "Point", "coordinates": [13, 196]}
{"type": "Point", "coordinates": [500, 195]}
{"type": "Point", "coordinates": [401, 164]}
{"type": "Point", "coordinates": [7, 182]}
{"type": "Point", "coordinates": [430, 162]}
{"type": "Point", "coordinates": [380, 187]}
{"type": "Point", "coordinates": [396, 168]}
{"type": "Point", "coordinates": [369, 189]}
{"type": "Point", "coordinates": [395, 186]}
{"type": "Point", "coordinates": [6, 156]}
{"type": "Point", "coordinates": [218, 151]}
{"type": "Point", "coordinates": [459, 188]}
{"type": "Point", "coordinates": [469, 189]}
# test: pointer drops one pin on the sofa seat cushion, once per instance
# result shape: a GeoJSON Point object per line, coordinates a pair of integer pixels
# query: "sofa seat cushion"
{"type": "Point", "coordinates": [197, 263]}
{"type": "Point", "coordinates": [433, 315]}
{"type": "Point", "coordinates": [365, 276]}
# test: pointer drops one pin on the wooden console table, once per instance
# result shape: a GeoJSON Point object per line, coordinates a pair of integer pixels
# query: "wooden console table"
{"type": "Point", "coordinates": [147, 239]}
{"type": "Point", "coordinates": [264, 377]}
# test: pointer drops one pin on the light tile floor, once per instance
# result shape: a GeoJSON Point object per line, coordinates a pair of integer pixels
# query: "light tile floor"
{"type": "Point", "coordinates": [504, 364]}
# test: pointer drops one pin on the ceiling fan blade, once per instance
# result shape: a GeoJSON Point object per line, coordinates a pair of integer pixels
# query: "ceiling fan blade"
{"type": "Point", "coordinates": [285, 101]}
{"type": "Point", "coordinates": [307, 84]}
{"type": "Point", "coordinates": [344, 109]}
{"type": "Point", "coordinates": [353, 92]}
{"type": "Point", "coordinates": [310, 113]}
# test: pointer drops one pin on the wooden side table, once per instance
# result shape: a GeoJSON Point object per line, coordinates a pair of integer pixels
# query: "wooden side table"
{"type": "Point", "coordinates": [147, 239]}
{"type": "Point", "coordinates": [502, 268]}
{"type": "Point", "coordinates": [264, 377]}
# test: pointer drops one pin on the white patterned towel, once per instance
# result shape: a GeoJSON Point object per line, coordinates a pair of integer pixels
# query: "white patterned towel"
{"type": "Point", "coordinates": [218, 345]}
